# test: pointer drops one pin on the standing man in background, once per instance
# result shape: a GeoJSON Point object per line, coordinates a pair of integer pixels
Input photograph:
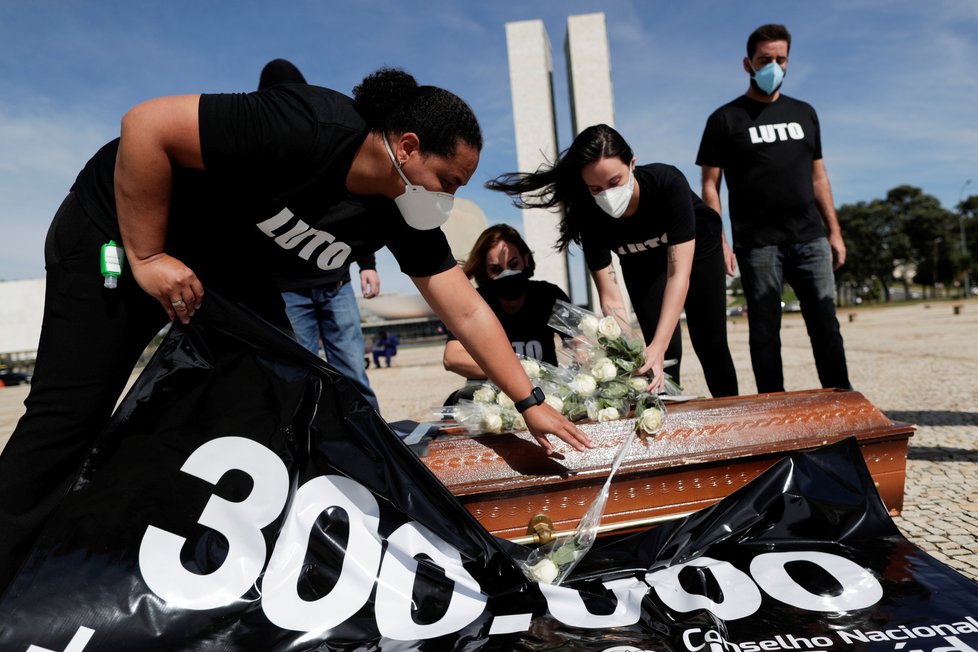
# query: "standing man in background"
{"type": "Point", "coordinates": [323, 309]}
{"type": "Point", "coordinates": [781, 211]}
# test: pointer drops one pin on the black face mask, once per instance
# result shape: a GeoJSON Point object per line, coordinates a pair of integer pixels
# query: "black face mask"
{"type": "Point", "coordinates": [510, 287]}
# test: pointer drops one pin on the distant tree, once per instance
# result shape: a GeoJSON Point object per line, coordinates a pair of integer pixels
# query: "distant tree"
{"type": "Point", "coordinates": [873, 239]}
{"type": "Point", "coordinates": [968, 218]}
{"type": "Point", "coordinates": [926, 229]}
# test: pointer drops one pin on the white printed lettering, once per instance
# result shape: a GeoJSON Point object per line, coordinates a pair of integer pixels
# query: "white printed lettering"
{"type": "Point", "coordinates": [740, 595]}
{"type": "Point", "coordinates": [567, 606]}
{"type": "Point", "coordinates": [859, 588]}
{"type": "Point", "coordinates": [396, 583]}
{"type": "Point", "coordinates": [272, 224]}
{"type": "Point", "coordinates": [280, 599]}
{"type": "Point", "coordinates": [781, 131]}
{"type": "Point", "coordinates": [77, 643]}
{"type": "Point", "coordinates": [393, 573]}
{"type": "Point", "coordinates": [239, 522]}
{"type": "Point", "coordinates": [334, 256]}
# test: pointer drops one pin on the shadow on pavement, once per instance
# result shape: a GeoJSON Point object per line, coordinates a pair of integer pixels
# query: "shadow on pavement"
{"type": "Point", "coordinates": [938, 454]}
{"type": "Point", "coordinates": [934, 417]}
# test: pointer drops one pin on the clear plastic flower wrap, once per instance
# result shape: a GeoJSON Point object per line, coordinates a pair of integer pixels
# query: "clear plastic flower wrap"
{"type": "Point", "coordinates": [540, 372]}
{"type": "Point", "coordinates": [612, 334]}
{"type": "Point", "coordinates": [595, 379]}
{"type": "Point", "coordinates": [489, 412]}
{"type": "Point", "coordinates": [598, 343]}
{"type": "Point", "coordinates": [553, 562]}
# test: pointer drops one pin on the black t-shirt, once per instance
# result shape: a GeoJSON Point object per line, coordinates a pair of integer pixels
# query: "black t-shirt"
{"type": "Point", "coordinates": [766, 151]}
{"type": "Point", "coordinates": [527, 328]}
{"type": "Point", "coordinates": [276, 160]}
{"type": "Point", "coordinates": [668, 213]}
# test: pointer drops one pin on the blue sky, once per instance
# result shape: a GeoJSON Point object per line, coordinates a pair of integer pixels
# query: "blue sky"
{"type": "Point", "coordinates": [895, 83]}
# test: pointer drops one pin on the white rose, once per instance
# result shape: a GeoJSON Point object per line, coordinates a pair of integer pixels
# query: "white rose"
{"type": "Point", "coordinates": [608, 414]}
{"type": "Point", "coordinates": [492, 423]}
{"type": "Point", "coordinates": [555, 402]}
{"type": "Point", "coordinates": [519, 423]}
{"type": "Point", "coordinates": [504, 401]}
{"type": "Point", "coordinates": [544, 571]}
{"type": "Point", "coordinates": [586, 384]}
{"type": "Point", "coordinates": [484, 394]}
{"type": "Point", "coordinates": [589, 325]}
{"type": "Point", "coordinates": [532, 368]}
{"type": "Point", "coordinates": [638, 383]}
{"type": "Point", "coordinates": [604, 369]}
{"type": "Point", "coordinates": [608, 327]}
{"type": "Point", "coordinates": [651, 421]}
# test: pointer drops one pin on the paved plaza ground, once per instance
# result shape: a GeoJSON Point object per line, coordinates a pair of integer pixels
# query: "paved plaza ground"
{"type": "Point", "coordinates": [917, 363]}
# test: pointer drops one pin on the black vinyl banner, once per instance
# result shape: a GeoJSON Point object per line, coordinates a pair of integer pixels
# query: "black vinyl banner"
{"type": "Point", "coordinates": [245, 497]}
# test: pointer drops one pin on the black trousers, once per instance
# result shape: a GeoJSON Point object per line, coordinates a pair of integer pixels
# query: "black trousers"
{"type": "Point", "coordinates": [91, 338]}
{"type": "Point", "coordinates": [706, 312]}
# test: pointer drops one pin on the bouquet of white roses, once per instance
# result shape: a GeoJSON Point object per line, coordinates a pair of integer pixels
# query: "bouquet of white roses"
{"type": "Point", "coordinates": [596, 339]}
{"type": "Point", "coordinates": [595, 379]}
{"type": "Point", "coordinates": [490, 411]}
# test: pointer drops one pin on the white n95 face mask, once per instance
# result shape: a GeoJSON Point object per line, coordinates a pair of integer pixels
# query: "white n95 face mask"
{"type": "Point", "coordinates": [614, 201]}
{"type": "Point", "coordinates": [421, 208]}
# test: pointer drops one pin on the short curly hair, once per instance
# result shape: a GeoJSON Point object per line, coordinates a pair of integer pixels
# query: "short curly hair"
{"type": "Point", "coordinates": [392, 102]}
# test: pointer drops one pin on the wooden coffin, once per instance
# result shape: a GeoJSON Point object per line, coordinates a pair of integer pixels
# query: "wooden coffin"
{"type": "Point", "coordinates": [707, 449]}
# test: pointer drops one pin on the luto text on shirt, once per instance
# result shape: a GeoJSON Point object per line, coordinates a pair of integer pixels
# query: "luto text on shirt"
{"type": "Point", "coordinates": [320, 247]}
{"type": "Point", "coordinates": [780, 131]}
{"type": "Point", "coordinates": [637, 247]}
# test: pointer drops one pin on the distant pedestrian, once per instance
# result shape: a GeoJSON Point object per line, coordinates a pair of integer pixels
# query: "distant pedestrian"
{"type": "Point", "coordinates": [385, 346]}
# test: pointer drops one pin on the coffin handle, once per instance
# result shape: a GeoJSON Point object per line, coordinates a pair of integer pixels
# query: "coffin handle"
{"type": "Point", "coordinates": [541, 528]}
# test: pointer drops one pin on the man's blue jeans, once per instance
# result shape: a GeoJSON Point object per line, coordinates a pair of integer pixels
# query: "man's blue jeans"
{"type": "Point", "coordinates": [807, 267]}
{"type": "Point", "coordinates": [329, 315]}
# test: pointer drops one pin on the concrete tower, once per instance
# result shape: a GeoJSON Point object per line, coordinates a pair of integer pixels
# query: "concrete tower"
{"type": "Point", "coordinates": [589, 72]}
{"type": "Point", "coordinates": [531, 84]}
{"type": "Point", "coordinates": [592, 102]}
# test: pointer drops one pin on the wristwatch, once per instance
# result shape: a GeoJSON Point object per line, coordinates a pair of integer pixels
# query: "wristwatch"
{"type": "Point", "coordinates": [536, 397]}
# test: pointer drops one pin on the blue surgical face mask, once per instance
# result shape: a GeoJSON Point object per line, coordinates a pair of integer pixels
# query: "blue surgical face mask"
{"type": "Point", "coordinates": [768, 79]}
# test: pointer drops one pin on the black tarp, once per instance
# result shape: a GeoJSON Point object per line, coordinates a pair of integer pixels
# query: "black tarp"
{"type": "Point", "coordinates": [245, 497]}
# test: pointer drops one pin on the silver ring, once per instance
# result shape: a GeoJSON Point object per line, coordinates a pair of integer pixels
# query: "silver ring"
{"type": "Point", "coordinates": [177, 303]}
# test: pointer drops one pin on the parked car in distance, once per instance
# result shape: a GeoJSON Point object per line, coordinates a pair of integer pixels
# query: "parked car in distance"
{"type": "Point", "coordinates": [10, 378]}
{"type": "Point", "coordinates": [791, 306]}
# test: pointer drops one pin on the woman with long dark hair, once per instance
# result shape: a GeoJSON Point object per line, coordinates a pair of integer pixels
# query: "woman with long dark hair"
{"type": "Point", "coordinates": [667, 241]}
{"type": "Point", "coordinates": [214, 191]}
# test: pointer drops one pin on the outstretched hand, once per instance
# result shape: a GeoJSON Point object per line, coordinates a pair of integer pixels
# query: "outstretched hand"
{"type": "Point", "coordinates": [542, 420]}
{"type": "Point", "coordinates": [171, 283]}
{"type": "Point", "coordinates": [654, 363]}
